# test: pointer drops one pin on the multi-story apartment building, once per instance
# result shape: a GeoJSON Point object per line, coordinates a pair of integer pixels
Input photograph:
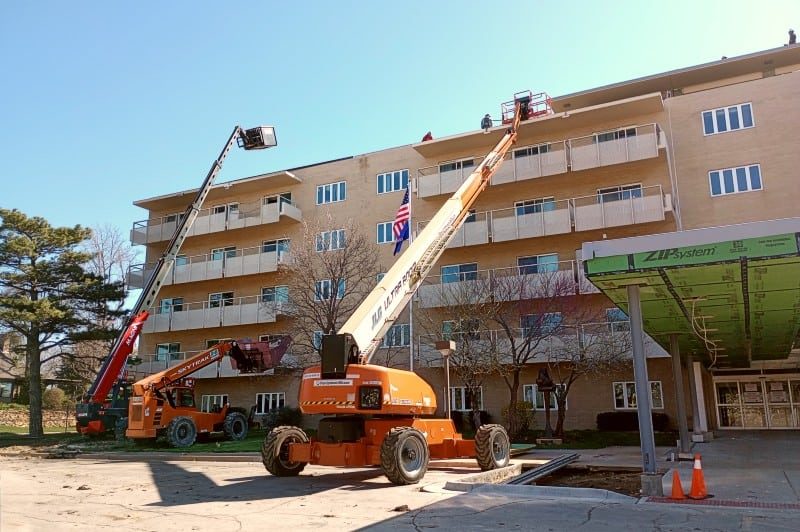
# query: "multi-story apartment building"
{"type": "Point", "coordinates": [702, 146]}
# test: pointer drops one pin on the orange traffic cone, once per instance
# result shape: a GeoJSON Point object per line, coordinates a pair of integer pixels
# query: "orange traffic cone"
{"type": "Point", "coordinates": [677, 489]}
{"type": "Point", "coordinates": [698, 489]}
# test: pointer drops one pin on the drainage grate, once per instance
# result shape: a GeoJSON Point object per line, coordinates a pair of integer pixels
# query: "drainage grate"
{"type": "Point", "coordinates": [729, 504]}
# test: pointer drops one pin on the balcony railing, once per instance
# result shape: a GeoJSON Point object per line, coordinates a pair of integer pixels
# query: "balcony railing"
{"type": "Point", "coordinates": [247, 261]}
{"type": "Point", "coordinates": [609, 209]}
{"type": "Point", "coordinates": [625, 145]}
{"type": "Point", "coordinates": [513, 283]}
{"type": "Point", "coordinates": [205, 314]}
{"type": "Point", "coordinates": [208, 221]}
{"type": "Point", "coordinates": [626, 207]}
{"type": "Point", "coordinates": [530, 162]}
{"type": "Point", "coordinates": [614, 147]}
{"type": "Point", "coordinates": [602, 338]}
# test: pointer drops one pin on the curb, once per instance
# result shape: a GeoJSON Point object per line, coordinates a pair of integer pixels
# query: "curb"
{"type": "Point", "coordinates": [493, 476]}
{"type": "Point", "coordinates": [556, 492]}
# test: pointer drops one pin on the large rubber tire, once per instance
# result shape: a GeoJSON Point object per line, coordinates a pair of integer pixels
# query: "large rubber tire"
{"type": "Point", "coordinates": [275, 451]}
{"type": "Point", "coordinates": [492, 447]}
{"type": "Point", "coordinates": [235, 426]}
{"type": "Point", "coordinates": [120, 426]}
{"type": "Point", "coordinates": [404, 455]}
{"type": "Point", "coordinates": [181, 432]}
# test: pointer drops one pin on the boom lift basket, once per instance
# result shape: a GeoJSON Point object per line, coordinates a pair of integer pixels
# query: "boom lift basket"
{"type": "Point", "coordinates": [257, 138]}
{"type": "Point", "coordinates": [258, 357]}
{"type": "Point", "coordinates": [531, 106]}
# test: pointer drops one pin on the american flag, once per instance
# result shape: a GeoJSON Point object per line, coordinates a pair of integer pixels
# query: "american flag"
{"type": "Point", "coordinates": [401, 221]}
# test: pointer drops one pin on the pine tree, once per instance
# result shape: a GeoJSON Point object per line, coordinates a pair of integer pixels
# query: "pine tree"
{"type": "Point", "coordinates": [49, 296]}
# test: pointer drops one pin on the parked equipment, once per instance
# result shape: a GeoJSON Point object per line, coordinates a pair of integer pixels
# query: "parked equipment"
{"type": "Point", "coordinates": [378, 415]}
{"type": "Point", "coordinates": [163, 404]}
{"type": "Point", "coordinates": [98, 412]}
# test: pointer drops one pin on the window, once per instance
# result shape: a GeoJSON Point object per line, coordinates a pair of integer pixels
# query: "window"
{"type": "Point", "coordinates": [323, 290]}
{"type": "Point", "coordinates": [170, 304]}
{"type": "Point", "coordinates": [454, 330]}
{"type": "Point", "coordinates": [230, 209]}
{"type": "Point", "coordinates": [471, 216]}
{"type": "Point", "coordinates": [285, 197]}
{"type": "Point", "coordinates": [275, 294]}
{"type": "Point", "coordinates": [540, 324]}
{"type": "Point", "coordinates": [531, 150]}
{"type": "Point", "coordinates": [734, 180]}
{"type": "Point", "coordinates": [532, 395]}
{"type": "Point", "coordinates": [538, 264]}
{"type": "Point", "coordinates": [168, 352]}
{"type": "Point", "coordinates": [181, 260]}
{"type": "Point", "coordinates": [270, 337]}
{"type": "Point", "coordinates": [392, 181]}
{"type": "Point", "coordinates": [456, 165]}
{"type": "Point", "coordinates": [625, 395]}
{"type": "Point", "coordinates": [6, 389]}
{"type": "Point", "coordinates": [459, 272]}
{"type": "Point", "coordinates": [615, 135]}
{"type": "Point", "coordinates": [534, 206]}
{"type": "Point", "coordinates": [385, 232]}
{"type": "Point", "coordinates": [171, 217]}
{"type": "Point", "coordinates": [267, 402]}
{"type": "Point", "coordinates": [619, 193]}
{"type": "Point", "coordinates": [209, 402]}
{"type": "Point", "coordinates": [220, 299]}
{"type": "Point", "coordinates": [275, 246]}
{"type": "Point", "coordinates": [330, 240]}
{"type": "Point", "coordinates": [461, 399]}
{"type": "Point", "coordinates": [316, 340]}
{"type": "Point", "coordinates": [398, 335]}
{"type": "Point", "coordinates": [211, 343]}
{"type": "Point", "coordinates": [617, 320]}
{"type": "Point", "coordinates": [331, 193]}
{"type": "Point", "coordinates": [727, 119]}
{"type": "Point", "coordinates": [223, 253]}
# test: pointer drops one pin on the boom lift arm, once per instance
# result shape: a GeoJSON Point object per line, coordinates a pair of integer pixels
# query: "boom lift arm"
{"type": "Point", "coordinates": [362, 333]}
{"type": "Point", "coordinates": [251, 139]}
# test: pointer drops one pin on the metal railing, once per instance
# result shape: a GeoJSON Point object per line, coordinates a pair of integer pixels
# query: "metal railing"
{"type": "Point", "coordinates": [217, 313]}
{"type": "Point", "coordinates": [432, 181]}
{"type": "Point", "coordinates": [621, 207]}
{"type": "Point", "coordinates": [209, 221]}
{"type": "Point", "coordinates": [246, 261]}
{"type": "Point", "coordinates": [613, 147]}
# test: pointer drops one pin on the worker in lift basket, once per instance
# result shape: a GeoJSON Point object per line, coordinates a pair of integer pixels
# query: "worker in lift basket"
{"type": "Point", "coordinates": [486, 123]}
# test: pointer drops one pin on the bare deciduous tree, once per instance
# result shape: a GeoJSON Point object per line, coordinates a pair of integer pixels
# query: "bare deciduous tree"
{"type": "Point", "coordinates": [330, 271]}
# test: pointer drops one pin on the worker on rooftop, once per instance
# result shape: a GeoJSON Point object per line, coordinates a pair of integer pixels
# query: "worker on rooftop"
{"type": "Point", "coordinates": [486, 123]}
{"type": "Point", "coordinates": [792, 37]}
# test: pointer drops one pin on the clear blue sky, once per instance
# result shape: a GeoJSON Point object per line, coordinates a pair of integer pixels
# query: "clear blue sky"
{"type": "Point", "coordinates": [107, 102]}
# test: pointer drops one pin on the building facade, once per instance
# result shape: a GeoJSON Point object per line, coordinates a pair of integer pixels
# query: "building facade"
{"type": "Point", "coordinates": [703, 146]}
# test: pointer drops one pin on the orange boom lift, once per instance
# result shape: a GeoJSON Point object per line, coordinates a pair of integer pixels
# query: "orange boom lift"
{"type": "Point", "coordinates": [383, 416]}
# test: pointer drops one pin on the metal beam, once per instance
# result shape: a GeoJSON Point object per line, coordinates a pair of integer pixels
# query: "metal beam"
{"type": "Point", "coordinates": [642, 383]}
{"type": "Point", "coordinates": [677, 375]}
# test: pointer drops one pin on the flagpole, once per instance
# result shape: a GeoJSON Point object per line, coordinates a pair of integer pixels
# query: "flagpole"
{"type": "Point", "coordinates": [411, 301]}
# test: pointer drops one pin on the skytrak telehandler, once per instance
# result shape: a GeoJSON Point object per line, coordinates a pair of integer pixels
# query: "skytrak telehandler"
{"type": "Point", "coordinates": [163, 404]}
{"type": "Point", "coordinates": [378, 415]}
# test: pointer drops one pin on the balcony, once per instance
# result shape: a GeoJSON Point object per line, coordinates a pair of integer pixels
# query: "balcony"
{"type": "Point", "coordinates": [204, 314]}
{"type": "Point", "coordinates": [620, 146]}
{"type": "Point", "coordinates": [514, 283]}
{"type": "Point", "coordinates": [603, 339]}
{"type": "Point", "coordinates": [215, 219]}
{"type": "Point", "coordinates": [474, 231]}
{"type": "Point", "coordinates": [550, 218]}
{"type": "Point", "coordinates": [622, 207]}
{"type": "Point", "coordinates": [614, 147]}
{"type": "Point", "coordinates": [246, 261]}
{"type": "Point", "coordinates": [532, 162]}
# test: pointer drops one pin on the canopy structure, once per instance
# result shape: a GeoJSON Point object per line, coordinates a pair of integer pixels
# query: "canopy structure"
{"type": "Point", "coordinates": [730, 293]}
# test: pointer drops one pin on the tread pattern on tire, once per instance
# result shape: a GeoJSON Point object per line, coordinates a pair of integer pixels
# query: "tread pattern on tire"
{"type": "Point", "coordinates": [389, 458]}
{"type": "Point", "coordinates": [172, 432]}
{"type": "Point", "coordinates": [484, 451]}
{"type": "Point", "coordinates": [271, 447]}
{"type": "Point", "coordinates": [229, 426]}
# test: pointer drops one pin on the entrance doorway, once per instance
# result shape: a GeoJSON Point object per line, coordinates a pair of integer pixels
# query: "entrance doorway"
{"type": "Point", "coordinates": [758, 402]}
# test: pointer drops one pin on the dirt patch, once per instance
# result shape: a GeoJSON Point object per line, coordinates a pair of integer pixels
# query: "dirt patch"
{"type": "Point", "coordinates": [625, 482]}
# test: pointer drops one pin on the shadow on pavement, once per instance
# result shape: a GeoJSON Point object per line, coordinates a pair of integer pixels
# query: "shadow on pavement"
{"type": "Point", "coordinates": [177, 486]}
